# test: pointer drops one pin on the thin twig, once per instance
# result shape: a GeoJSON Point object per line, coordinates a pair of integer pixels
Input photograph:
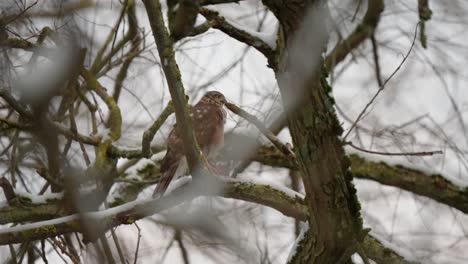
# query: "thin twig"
{"type": "Point", "coordinates": [13, 254]}
{"type": "Point", "coordinates": [183, 249]}
{"type": "Point", "coordinates": [98, 61]}
{"type": "Point", "coordinates": [357, 10]}
{"type": "Point", "coordinates": [63, 249]}
{"type": "Point", "coordinates": [422, 153]}
{"type": "Point", "coordinates": [43, 253]}
{"type": "Point", "coordinates": [138, 244]}
{"type": "Point", "coordinates": [375, 53]}
{"type": "Point", "coordinates": [148, 135]}
{"type": "Point", "coordinates": [7, 189]}
{"type": "Point", "coordinates": [107, 249]}
{"type": "Point", "coordinates": [118, 247]}
{"type": "Point", "coordinates": [383, 85]}
{"type": "Point", "coordinates": [6, 95]}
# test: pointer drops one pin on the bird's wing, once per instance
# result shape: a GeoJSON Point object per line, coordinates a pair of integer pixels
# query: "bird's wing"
{"type": "Point", "coordinates": [208, 124]}
{"type": "Point", "coordinates": [174, 150]}
{"type": "Point", "coordinates": [170, 162]}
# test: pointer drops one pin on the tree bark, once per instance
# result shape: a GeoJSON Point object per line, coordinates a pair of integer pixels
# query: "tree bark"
{"type": "Point", "coordinates": [335, 223]}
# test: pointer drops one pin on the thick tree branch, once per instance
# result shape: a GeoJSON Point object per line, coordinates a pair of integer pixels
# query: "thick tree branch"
{"type": "Point", "coordinates": [361, 33]}
{"type": "Point", "coordinates": [128, 213]}
{"type": "Point", "coordinates": [31, 212]}
{"type": "Point", "coordinates": [181, 23]}
{"type": "Point", "coordinates": [248, 38]}
{"type": "Point", "coordinates": [435, 187]}
{"type": "Point", "coordinates": [115, 118]}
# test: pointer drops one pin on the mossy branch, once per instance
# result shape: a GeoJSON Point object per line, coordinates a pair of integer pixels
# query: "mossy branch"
{"type": "Point", "coordinates": [425, 14]}
{"type": "Point", "coordinates": [250, 192]}
{"type": "Point", "coordinates": [174, 81]}
{"type": "Point", "coordinates": [435, 187]}
{"type": "Point", "coordinates": [381, 254]}
{"type": "Point", "coordinates": [115, 118]}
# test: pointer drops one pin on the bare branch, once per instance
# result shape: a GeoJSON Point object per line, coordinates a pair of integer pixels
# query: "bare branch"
{"type": "Point", "coordinates": [137, 245]}
{"type": "Point", "coordinates": [361, 33]}
{"type": "Point", "coordinates": [216, 2]}
{"type": "Point", "coordinates": [222, 24]}
{"type": "Point", "coordinates": [15, 104]}
{"type": "Point", "coordinates": [381, 88]}
{"type": "Point", "coordinates": [7, 189]}
{"type": "Point", "coordinates": [420, 153]}
{"type": "Point", "coordinates": [148, 135]}
{"type": "Point", "coordinates": [265, 131]}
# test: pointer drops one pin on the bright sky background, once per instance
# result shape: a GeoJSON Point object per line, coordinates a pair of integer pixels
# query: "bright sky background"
{"type": "Point", "coordinates": [431, 86]}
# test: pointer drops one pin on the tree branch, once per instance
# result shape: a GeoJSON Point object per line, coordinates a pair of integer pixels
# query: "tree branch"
{"type": "Point", "coordinates": [216, 2]}
{"type": "Point", "coordinates": [148, 135]}
{"type": "Point", "coordinates": [174, 81]}
{"type": "Point", "coordinates": [129, 213]}
{"type": "Point", "coordinates": [435, 187]}
{"type": "Point", "coordinates": [381, 254]}
{"type": "Point", "coordinates": [21, 109]}
{"type": "Point", "coordinates": [361, 33]}
{"type": "Point", "coordinates": [222, 24]}
{"type": "Point", "coordinates": [181, 23]}
{"type": "Point", "coordinates": [265, 131]}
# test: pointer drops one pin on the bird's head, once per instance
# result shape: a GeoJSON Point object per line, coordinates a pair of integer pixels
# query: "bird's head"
{"type": "Point", "coordinates": [213, 97]}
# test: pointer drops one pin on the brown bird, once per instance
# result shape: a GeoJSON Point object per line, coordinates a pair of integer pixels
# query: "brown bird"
{"type": "Point", "coordinates": [208, 118]}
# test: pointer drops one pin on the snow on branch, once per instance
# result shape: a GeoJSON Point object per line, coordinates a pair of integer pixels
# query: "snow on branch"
{"type": "Point", "coordinates": [265, 131]}
{"type": "Point", "coordinates": [418, 182]}
{"type": "Point", "coordinates": [264, 43]}
{"type": "Point", "coordinates": [289, 205]}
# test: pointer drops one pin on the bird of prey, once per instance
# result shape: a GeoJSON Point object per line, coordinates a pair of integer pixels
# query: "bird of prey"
{"type": "Point", "coordinates": [208, 118]}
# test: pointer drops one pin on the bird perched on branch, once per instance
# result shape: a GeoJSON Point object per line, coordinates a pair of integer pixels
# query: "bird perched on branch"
{"type": "Point", "coordinates": [208, 118]}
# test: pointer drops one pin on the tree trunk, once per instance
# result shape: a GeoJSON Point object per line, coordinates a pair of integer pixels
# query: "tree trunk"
{"type": "Point", "coordinates": [335, 223]}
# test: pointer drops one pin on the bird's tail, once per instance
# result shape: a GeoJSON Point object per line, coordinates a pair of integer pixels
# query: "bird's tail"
{"type": "Point", "coordinates": [164, 181]}
{"type": "Point", "coordinates": [175, 171]}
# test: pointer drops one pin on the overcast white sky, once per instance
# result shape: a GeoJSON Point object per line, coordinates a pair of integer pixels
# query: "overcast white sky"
{"type": "Point", "coordinates": [431, 85]}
